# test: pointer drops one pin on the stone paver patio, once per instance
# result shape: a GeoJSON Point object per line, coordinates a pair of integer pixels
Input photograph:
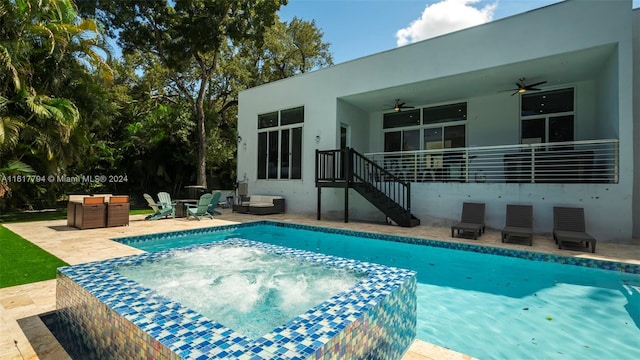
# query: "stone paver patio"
{"type": "Point", "coordinates": [24, 336]}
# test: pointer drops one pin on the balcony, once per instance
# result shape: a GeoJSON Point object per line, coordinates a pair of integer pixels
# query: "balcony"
{"type": "Point", "coordinates": [587, 161]}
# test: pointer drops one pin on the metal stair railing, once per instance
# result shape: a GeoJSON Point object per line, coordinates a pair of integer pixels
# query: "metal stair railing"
{"type": "Point", "coordinates": [330, 166]}
{"type": "Point", "coordinates": [363, 170]}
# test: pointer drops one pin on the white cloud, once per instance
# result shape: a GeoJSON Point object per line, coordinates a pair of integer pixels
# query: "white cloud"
{"type": "Point", "coordinates": [443, 17]}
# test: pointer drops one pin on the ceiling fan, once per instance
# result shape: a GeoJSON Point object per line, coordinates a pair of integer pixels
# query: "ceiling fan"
{"type": "Point", "coordinates": [398, 106]}
{"type": "Point", "coordinates": [522, 87]}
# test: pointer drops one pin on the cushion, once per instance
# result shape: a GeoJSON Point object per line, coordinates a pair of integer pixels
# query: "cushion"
{"type": "Point", "coordinates": [261, 204]}
{"type": "Point", "coordinates": [77, 198]}
{"type": "Point", "coordinates": [119, 199]}
{"type": "Point", "coordinates": [90, 200]}
{"type": "Point", "coordinates": [263, 198]}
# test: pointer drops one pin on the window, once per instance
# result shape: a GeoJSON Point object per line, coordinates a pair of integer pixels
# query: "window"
{"type": "Point", "coordinates": [280, 144]}
{"type": "Point", "coordinates": [401, 119]}
{"type": "Point", "coordinates": [436, 127]}
{"type": "Point", "coordinates": [444, 113]}
{"type": "Point", "coordinates": [267, 120]}
{"type": "Point", "coordinates": [547, 116]}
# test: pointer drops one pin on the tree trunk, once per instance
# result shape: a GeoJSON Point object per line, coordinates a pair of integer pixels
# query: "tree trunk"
{"type": "Point", "coordinates": [202, 144]}
{"type": "Point", "coordinates": [199, 112]}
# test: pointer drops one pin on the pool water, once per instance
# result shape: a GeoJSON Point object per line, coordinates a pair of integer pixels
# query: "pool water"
{"type": "Point", "coordinates": [245, 289]}
{"type": "Point", "coordinates": [487, 306]}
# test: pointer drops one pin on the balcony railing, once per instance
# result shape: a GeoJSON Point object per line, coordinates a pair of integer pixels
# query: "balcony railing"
{"type": "Point", "coordinates": [587, 161]}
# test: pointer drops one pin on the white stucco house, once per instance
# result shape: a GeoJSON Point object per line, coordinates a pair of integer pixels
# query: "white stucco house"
{"type": "Point", "coordinates": [466, 132]}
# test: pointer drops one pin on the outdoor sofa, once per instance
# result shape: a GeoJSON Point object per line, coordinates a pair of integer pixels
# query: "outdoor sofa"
{"type": "Point", "coordinates": [261, 205]}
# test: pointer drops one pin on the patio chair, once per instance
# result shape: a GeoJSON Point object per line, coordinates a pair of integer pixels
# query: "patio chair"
{"type": "Point", "coordinates": [519, 223]}
{"type": "Point", "coordinates": [472, 220]}
{"type": "Point", "coordinates": [159, 211]}
{"type": "Point", "coordinates": [164, 199]}
{"type": "Point", "coordinates": [569, 226]}
{"type": "Point", "coordinates": [200, 210]}
{"type": "Point", "coordinates": [215, 200]}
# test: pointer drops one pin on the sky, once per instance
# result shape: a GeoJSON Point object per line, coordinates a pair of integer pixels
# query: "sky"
{"type": "Point", "coordinates": [357, 28]}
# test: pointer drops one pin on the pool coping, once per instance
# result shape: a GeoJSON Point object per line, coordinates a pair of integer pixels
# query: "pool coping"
{"type": "Point", "coordinates": [483, 249]}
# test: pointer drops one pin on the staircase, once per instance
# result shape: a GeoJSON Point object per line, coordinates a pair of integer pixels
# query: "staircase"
{"type": "Point", "coordinates": [347, 168]}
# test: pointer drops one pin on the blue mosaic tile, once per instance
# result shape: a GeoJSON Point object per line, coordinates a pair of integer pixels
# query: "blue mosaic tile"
{"type": "Point", "coordinates": [187, 334]}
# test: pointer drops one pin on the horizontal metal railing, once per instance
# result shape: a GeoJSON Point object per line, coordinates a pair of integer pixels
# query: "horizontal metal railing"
{"type": "Point", "coordinates": [586, 161]}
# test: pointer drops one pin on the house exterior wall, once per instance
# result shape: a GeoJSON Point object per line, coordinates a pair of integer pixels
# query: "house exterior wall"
{"type": "Point", "coordinates": [604, 107]}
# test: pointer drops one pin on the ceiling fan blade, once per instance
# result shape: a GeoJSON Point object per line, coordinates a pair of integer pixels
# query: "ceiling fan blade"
{"type": "Point", "coordinates": [536, 84]}
{"type": "Point", "coordinates": [515, 92]}
{"type": "Point", "coordinates": [533, 89]}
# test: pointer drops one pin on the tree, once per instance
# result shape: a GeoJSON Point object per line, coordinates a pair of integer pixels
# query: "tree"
{"type": "Point", "coordinates": [189, 38]}
{"type": "Point", "coordinates": [44, 46]}
{"type": "Point", "coordinates": [289, 49]}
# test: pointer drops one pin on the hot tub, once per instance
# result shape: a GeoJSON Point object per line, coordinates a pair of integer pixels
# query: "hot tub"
{"type": "Point", "coordinates": [119, 318]}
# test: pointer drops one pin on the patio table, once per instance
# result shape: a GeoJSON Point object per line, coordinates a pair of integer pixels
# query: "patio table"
{"type": "Point", "coordinates": [181, 207]}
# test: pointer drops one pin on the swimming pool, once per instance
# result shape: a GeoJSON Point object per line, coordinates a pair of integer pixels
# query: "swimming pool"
{"type": "Point", "coordinates": [482, 301]}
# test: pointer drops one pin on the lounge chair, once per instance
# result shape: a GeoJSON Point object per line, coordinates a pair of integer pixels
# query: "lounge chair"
{"type": "Point", "coordinates": [159, 211]}
{"type": "Point", "coordinates": [164, 199]}
{"type": "Point", "coordinates": [569, 226]}
{"type": "Point", "coordinates": [200, 210]}
{"type": "Point", "coordinates": [519, 223]}
{"type": "Point", "coordinates": [214, 202]}
{"type": "Point", "coordinates": [472, 220]}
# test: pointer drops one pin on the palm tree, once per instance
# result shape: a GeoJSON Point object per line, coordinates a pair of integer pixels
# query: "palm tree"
{"type": "Point", "coordinates": [13, 168]}
{"type": "Point", "coordinates": [40, 41]}
{"type": "Point", "coordinates": [40, 35]}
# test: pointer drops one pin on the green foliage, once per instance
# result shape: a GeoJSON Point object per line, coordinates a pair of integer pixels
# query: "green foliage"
{"type": "Point", "coordinates": [288, 50]}
{"type": "Point", "coordinates": [170, 34]}
{"type": "Point", "coordinates": [165, 114]}
{"type": "Point", "coordinates": [45, 50]}
{"type": "Point", "coordinates": [22, 262]}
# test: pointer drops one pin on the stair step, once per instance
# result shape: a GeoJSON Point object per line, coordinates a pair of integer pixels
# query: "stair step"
{"type": "Point", "coordinates": [393, 211]}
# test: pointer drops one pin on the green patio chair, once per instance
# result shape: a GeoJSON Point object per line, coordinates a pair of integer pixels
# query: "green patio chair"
{"type": "Point", "coordinates": [214, 202]}
{"type": "Point", "coordinates": [159, 211]}
{"type": "Point", "coordinates": [200, 210]}
{"type": "Point", "coordinates": [164, 199]}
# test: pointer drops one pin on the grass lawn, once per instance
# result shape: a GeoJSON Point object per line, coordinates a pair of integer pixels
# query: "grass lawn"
{"type": "Point", "coordinates": [22, 262]}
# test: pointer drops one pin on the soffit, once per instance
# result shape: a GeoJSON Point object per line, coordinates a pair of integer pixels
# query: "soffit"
{"type": "Point", "coordinates": [557, 70]}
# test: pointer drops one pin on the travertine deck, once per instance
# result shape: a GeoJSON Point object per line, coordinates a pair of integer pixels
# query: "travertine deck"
{"type": "Point", "coordinates": [24, 336]}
